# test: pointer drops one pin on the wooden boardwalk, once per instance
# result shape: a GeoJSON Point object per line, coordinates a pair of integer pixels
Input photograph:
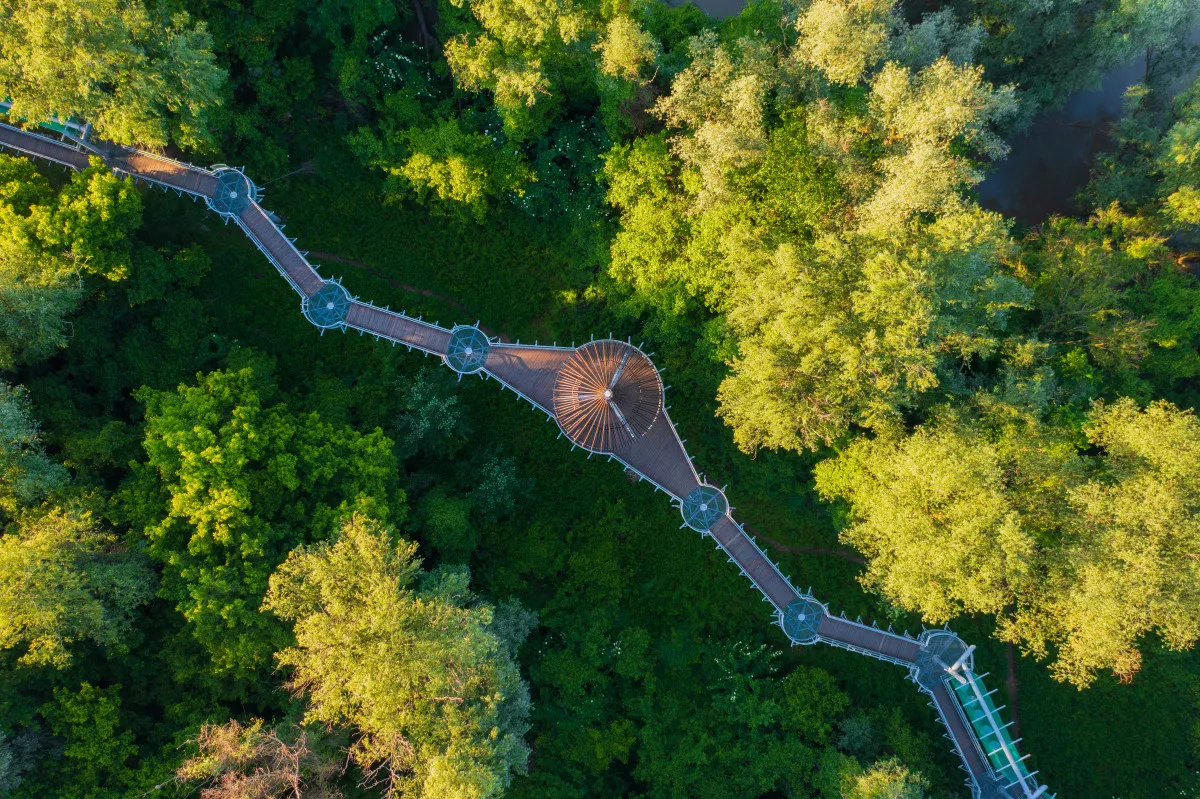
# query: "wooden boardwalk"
{"type": "Point", "coordinates": [398, 328]}
{"type": "Point", "coordinates": [38, 146]}
{"type": "Point", "coordinates": [656, 454]}
{"type": "Point", "coordinates": [861, 638]}
{"type": "Point", "coordinates": [529, 370]}
{"type": "Point", "coordinates": [287, 259]}
{"type": "Point", "coordinates": [960, 734]}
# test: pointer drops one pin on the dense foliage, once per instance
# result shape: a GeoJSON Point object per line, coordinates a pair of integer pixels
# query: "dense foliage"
{"type": "Point", "coordinates": [239, 559]}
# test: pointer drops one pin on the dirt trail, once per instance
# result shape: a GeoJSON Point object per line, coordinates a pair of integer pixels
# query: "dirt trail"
{"type": "Point", "coordinates": [844, 554]}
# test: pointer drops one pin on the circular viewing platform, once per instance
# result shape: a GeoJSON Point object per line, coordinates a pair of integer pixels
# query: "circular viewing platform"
{"type": "Point", "coordinates": [234, 192]}
{"type": "Point", "coordinates": [327, 309]}
{"type": "Point", "coordinates": [468, 350]}
{"type": "Point", "coordinates": [703, 507]}
{"type": "Point", "coordinates": [801, 620]}
{"type": "Point", "coordinates": [940, 649]}
{"type": "Point", "coordinates": [607, 395]}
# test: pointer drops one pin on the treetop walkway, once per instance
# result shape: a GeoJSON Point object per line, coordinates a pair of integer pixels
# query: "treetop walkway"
{"type": "Point", "coordinates": [607, 398]}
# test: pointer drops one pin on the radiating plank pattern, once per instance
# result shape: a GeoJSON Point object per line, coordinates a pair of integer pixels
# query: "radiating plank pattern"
{"type": "Point", "coordinates": [654, 451]}
{"type": "Point", "coordinates": [398, 328]}
{"type": "Point", "coordinates": [607, 396]}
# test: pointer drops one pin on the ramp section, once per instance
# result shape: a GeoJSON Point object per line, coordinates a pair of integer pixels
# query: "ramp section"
{"type": "Point", "coordinates": [754, 563]}
{"type": "Point", "coordinates": [869, 641]}
{"type": "Point", "coordinates": [279, 250]}
{"type": "Point", "coordinates": [398, 328]}
{"type": "Point", "coordinates": [38, 146]}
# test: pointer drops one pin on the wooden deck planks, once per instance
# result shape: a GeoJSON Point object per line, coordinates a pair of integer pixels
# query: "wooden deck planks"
{"type": "Point", "coordinates": [398, 328]}
{"type": "Point", "coordinates": [530, 370]}
{"type": "Point", "coordinates": [122, 159]}
{"type": "Point", "coordinates": [33, 144]}
{"type": "Point", "coordinates": [162, 170]}
{"type": "Point", "coordinates": [273, 241]}
{"type": "Point", "coordinates": [754, 562]}
{"type": "Point", "coordinates": [947, 708]}
{"type": "Point", "coordinates": [661, 457]}
{"type": "Point", "coordinates": [870, 639]}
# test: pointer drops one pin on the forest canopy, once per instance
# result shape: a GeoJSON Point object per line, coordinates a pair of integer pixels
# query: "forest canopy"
{"type": "Point", "coordinates": [238, 558]}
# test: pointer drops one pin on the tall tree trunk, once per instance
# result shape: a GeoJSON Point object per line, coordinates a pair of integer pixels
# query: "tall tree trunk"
{"type": "Point", "coordinates": [426, 35]}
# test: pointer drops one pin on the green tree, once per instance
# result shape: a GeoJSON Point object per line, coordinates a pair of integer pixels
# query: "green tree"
{"type": "Point", "coordinates": [934, 519]}
{"type": "Point", "coordinates": [521, 53]}
{"type": "Point", "coordinates": [232, 482]}
{"type": "Point", "coordinates": [1079, 555]}
{"type": "Point", "coordinates": [1178, 159]}
{"type": "Point", "coordinates": [27, 473]}
{"type": "Point", "coordinates": [96, 747]}
{"type": "Point", "coordinates": [49, 242]}
{"type": "Point", "coordinates": [846, 278]}
{"type": "Point", "coordinates": [1051, 51]}
{"type": "Point", "coordinates": [1082, 275]}
{"type": "Point", "coordinates": [839, 335]}
{"type": "Point", "coordinates": [1129, 567]}
{"type": "Point", "coordinates": [446, 167]}
{"type": "Point", "coordinates": [93, 218]}
{"type": "Point", "coordinates": [927, 121]}
{"type": "Point", "coordinates": [140, 76]}
{"type": "Point", "coordinates": [348, 26]}
{"type": "Point", "coordinates": [887, 779]}
{"type": "Point", "coordinates": [406, 657]}
{"type": "Point", "coordinates": [446, 520]}
{"type": "Point", "coordinates": [626, 49]}
{"type": "Point", "coordinates": [37, 290]}
{"type": "Point", "coordinates": [63, 580]}
{"type": "Point", "coordinates": [432, 419]}
{"type": "Point", "coordinates": [845, 38]}
{"type": "Point", "coordinates": [745, 731]}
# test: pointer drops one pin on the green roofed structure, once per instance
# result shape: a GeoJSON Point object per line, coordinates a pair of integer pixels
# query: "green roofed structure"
{"type": "Point", "coordinates": [607, 398]}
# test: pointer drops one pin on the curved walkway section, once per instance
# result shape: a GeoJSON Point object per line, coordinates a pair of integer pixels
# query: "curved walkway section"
{"type": "Point", "coordinates": [645, 443]}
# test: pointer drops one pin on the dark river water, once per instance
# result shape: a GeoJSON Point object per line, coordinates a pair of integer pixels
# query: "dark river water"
{"type": "Point", "coordinates": [1051, 162]}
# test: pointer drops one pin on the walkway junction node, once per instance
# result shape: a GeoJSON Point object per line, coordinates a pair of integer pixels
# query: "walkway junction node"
{"type": "Point", "coordinates": [468, 349]}
{"type": "Point", "coordinates": [327, 308]}
{"type": "Point", "coordinates": [802, 620]}
{"type": "Point", "coordinates": [703, 507]}
{"type": "Point", "coordinates": [234, 192]}
{"type": "Point", "coordinates": [606, 397]}
{"type": "Point", "coordinates": [940, 651]}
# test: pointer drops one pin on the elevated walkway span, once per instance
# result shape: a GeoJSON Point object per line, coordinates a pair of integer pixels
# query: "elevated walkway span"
{"type": "Point", "coordinates": [607, 398]}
